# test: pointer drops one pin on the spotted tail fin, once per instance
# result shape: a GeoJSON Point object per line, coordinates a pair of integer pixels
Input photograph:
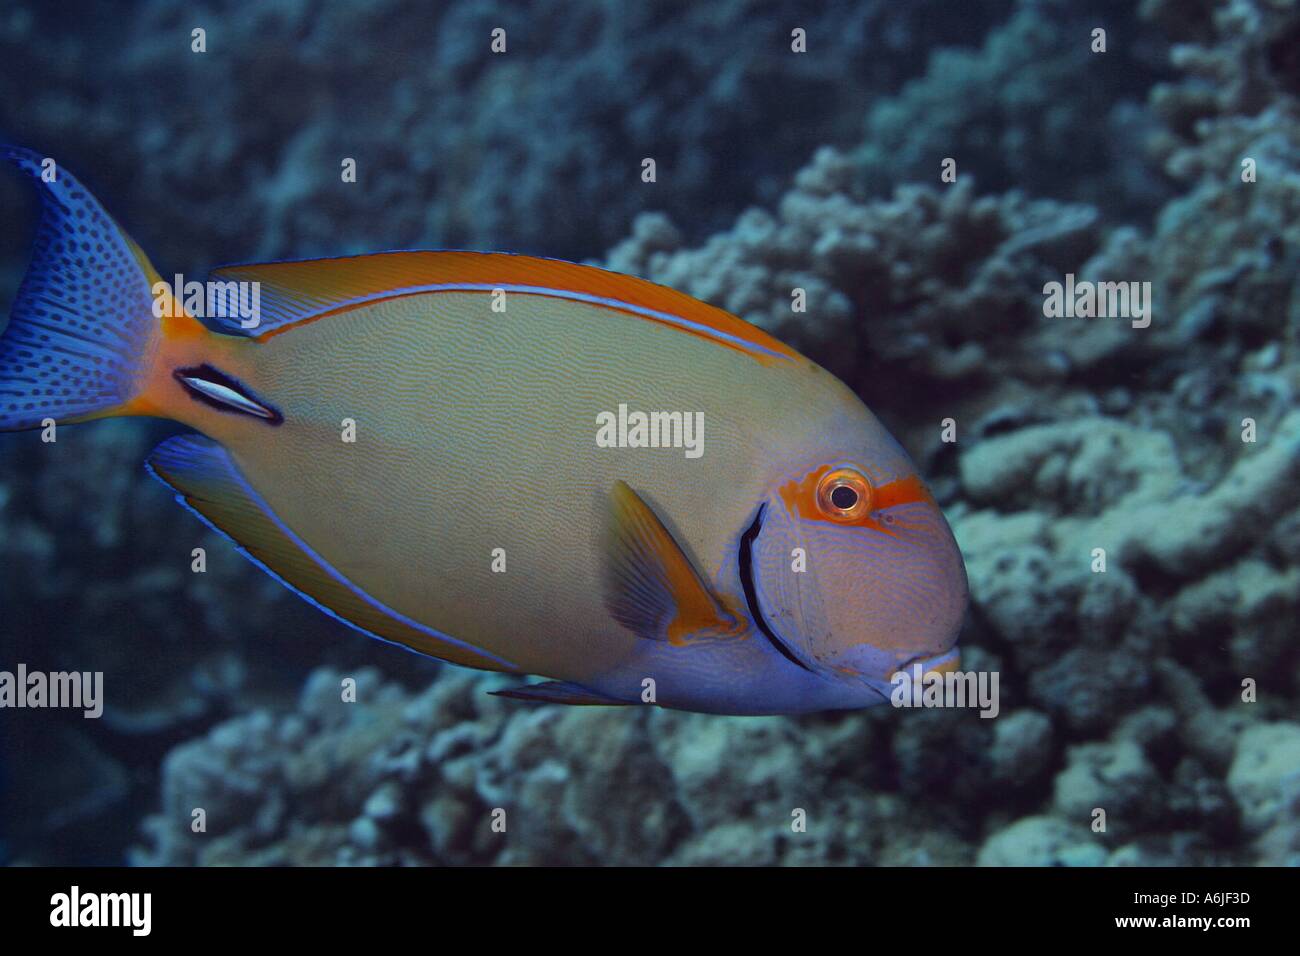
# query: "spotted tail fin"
{"type": "Point", "coordinates": [82, 331]}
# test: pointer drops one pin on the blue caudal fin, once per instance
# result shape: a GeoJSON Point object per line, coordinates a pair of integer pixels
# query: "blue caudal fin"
{"type": "Point", "coordinates": [79, 333]}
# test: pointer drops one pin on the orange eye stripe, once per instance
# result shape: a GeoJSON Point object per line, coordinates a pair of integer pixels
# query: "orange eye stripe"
{"type": "Point", "coordinates": [905, 491]}
{"type": "Point", "coordinates": [800, 497]}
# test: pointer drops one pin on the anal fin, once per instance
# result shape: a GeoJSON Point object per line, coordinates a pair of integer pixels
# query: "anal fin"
{"type": "Point", "coordinates": [210, 484]}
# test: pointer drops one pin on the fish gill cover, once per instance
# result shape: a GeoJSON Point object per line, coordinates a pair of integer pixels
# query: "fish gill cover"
{"type": "Point", "coordinates": [930, 178]}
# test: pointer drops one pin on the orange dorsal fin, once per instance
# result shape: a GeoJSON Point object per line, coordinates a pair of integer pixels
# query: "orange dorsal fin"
{"type": "Point", "coordinates": [293, 293]}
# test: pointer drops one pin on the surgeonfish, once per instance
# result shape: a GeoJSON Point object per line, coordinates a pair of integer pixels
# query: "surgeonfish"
{"type": "Point", "coordinates": [451, 451]}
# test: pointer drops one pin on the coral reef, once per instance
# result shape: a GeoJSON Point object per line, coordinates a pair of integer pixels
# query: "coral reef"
{"type": "Point", "coordinates": [1034, 108]}
{"type": "Point", "coordinates": [458, 147]}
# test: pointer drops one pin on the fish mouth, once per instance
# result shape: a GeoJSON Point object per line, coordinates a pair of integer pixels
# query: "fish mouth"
{"type": "Point", "coordinates": [746, 559]}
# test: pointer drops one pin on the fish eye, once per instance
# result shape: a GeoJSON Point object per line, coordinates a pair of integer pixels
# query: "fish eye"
{"type": "Point", "coordinates": [844, 495]}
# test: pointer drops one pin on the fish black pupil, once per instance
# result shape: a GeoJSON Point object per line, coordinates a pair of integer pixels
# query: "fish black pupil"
{"type": "Point", "coordinates": [844, 497]}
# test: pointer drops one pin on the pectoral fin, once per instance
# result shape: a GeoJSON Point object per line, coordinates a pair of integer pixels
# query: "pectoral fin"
{"type": "Point", "coordinates": [651, 586]}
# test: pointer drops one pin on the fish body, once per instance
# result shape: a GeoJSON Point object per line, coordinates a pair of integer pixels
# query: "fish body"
{"type": "Point", "coordinates": [411, 442]}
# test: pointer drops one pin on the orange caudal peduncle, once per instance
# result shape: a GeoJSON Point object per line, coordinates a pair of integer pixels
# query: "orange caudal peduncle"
{"type": "Point", "coordinates": [179, 341]}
